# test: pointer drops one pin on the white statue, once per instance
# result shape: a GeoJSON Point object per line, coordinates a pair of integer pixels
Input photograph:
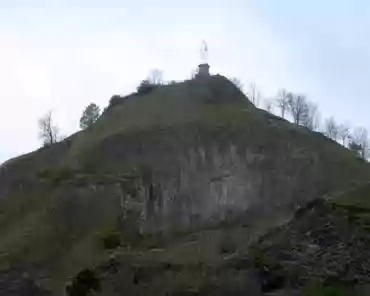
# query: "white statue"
{"type": "Point", "coordinates": [204, 52]}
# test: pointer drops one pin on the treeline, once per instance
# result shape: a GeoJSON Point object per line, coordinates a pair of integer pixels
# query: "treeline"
{"type": "Point", "coordinates": [301, 111]}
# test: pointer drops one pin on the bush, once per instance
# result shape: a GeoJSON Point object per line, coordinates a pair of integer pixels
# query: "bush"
{"type": "Point", "coordinates": [118, 100]}
{"type": "Point", "coordinates": [270, 272]}
{"type": "Point", "coordinates": [146, 87]}
{"type": "Point", "coordinates": [111, 241]}
{"type": "Point", "coordinates": [56, 175]}
{"type": "Point", "coordinates": [85, 282]}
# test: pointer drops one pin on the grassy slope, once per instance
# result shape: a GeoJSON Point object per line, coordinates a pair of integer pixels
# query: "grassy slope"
{"type": "Point", "coordinates": [28, 218]}
{"type": "Point", "coordinates": [356, 203]}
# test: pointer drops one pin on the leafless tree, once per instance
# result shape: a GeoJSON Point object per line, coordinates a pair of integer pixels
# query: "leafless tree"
{"type": "Point", "coordinates": [193, 74]}
{"type": "Point", "coordinates": [297, 107]}
{"type": "Point", "coordinates": [343, 133]}
{"type": "Point", "coordinates": [360, 137]}
{"type": "Point", "coordinates": [331, 128]}
{"type": "Point", "coordinates": [282, 101]}
{"type": "Point", "coordinates": [254, 95]}
{"type": "Point", "coordinates": [49, 133]}
{"type": "Point", "coordinates": [311, 116]}
{"type": "Point", "coordinates": [268, 105]}
{"type": "Point", "coordinates": [156, 77]}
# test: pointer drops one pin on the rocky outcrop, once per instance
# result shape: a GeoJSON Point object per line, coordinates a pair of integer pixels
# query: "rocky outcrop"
{"type": "Point", "coordinates": [16, 282]}
{"type": "Point", "coordinates": [206, 175]}
{"type": "Point", "coordinates": [322, 244]}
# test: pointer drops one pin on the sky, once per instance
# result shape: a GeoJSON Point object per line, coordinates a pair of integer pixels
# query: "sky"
{"type": "Point", "coordinates": [61, 55]}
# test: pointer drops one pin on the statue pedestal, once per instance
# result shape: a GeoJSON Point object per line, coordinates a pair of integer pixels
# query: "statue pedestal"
{"type": "Point", "coordinates": [203, 70]}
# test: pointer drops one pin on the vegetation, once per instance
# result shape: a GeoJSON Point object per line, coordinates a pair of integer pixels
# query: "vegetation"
{"type": "Point", "coordinates": [315, 288]}
{"type": "Point", "coordinates": [56, 175]}
{"type": "Point", "coordinates": [254, 95]}
{"type": "Point", "coordinates": [89, 116]}
{"type": "Point", "coordinates": [306, 113]}
{"type": "Point", "coordinates": [237, 83]}
{"type": "Point", "coordinates": [57, 225]}
{"type": "Point", "coordinates": [84, 283]}
{"type": "Point", "coordinates": [110, 240]}
{"type": "Point", "coordinates": [268, 267]}
{"type": "Point", "coordinates": [48, 131]}
{"type": "Point", "coordinates": [153, 81]}
{"type": "Point", "coordinates": [145, 87]}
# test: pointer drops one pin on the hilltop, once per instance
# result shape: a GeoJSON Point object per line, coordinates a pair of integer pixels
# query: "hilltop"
{"type": "Point", "coordinates": [184, 168]}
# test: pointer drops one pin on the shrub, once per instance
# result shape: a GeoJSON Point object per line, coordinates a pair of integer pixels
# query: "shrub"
{"type": "Point", "coordinates": [115, 99]}
{"type": "Point", "coordinates": [111, 241]}
{"type": "Point", "coordinates": [146, 87]}
{"type": "Point", "coordinates": [56, 175]}
{"type": "Point", "coordinates": [85, 282]}
{"type": "Point", "coordinates": [270, 272]}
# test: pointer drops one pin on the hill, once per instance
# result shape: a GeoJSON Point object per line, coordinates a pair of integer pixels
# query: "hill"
{"type": "Point", "coordinates": [194, 157]}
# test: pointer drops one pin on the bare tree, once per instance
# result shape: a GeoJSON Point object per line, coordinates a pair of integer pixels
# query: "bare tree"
{"type": "Point", "coordinates": [310, 116]}
{"type": "Point", "coordinates": [254, 94]}
{"type": "Point", "coordinates": [297, 107]}
{"type": "Point", "coordinates": [343, 133]}
{"type": "Point", "coordinates": [331, 128]}
{"type": "Point", "coordinates": [268, 105]}
{"type": "Point", "coordinates": [360, 138]}
{"type": "Point", "coordinates": [49, 133]}
{"type": "Point", "coordinates": [156, 77]}
{"type": "Point", "coordinates": [282, 101]}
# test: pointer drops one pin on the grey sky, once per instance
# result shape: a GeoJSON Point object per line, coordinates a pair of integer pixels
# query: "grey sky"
{"type": "Point", "coordinates": [62, 55]}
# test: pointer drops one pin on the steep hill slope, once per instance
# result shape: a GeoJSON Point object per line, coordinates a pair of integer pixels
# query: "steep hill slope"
{"type": "Point", "coordinates": [183, 158]}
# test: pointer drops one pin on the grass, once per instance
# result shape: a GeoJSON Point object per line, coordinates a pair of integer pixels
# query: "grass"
{"type": "Point", "coordinates": [320, 289]}
{"type": "Point", "coordinates": [56, 174]}
{"type": "Point", "coordinates": [356, 203]}
{"type": "Point", "coordinates": [358, 199]}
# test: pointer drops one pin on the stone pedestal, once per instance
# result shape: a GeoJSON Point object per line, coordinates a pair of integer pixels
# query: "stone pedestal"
{"type": "Point", "coordinates": [203, 70]}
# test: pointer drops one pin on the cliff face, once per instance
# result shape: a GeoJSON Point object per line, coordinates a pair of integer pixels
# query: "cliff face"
{"type": "Point", "coordinates": [183, 157]}
{"type": "Point", "coordinates": [195, 174]}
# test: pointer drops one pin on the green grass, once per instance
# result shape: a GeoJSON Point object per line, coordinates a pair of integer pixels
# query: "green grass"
{"type": "Point", "coordinates": [330, 291]}
{"type": "Point", "coordinates": [56, 174]}
{"type": "Point", "coordinates": [357, 199]}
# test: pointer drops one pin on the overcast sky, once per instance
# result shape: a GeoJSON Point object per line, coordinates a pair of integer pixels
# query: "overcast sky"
{"type": "Point", "coordinates": [64, 54]}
